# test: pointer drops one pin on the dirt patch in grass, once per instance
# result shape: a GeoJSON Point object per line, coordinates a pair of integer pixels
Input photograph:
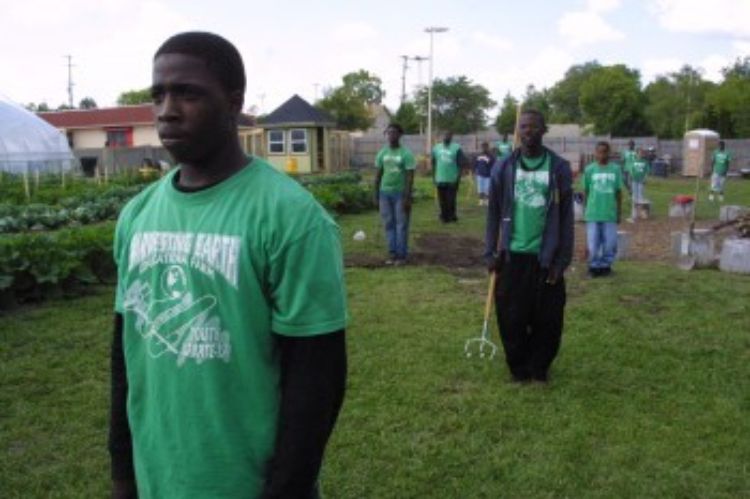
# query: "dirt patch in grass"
{"type": "Point", "coordinates": [460, 254]}
{"type": "Point", "coordinates": [650, 239]}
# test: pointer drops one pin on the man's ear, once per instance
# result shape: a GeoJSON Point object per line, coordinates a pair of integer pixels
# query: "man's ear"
{"type": "Point", "coordinates": [236, 101]}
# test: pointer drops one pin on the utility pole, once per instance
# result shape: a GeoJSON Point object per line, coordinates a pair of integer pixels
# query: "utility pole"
{"type": "Point", "coordinates": [404, 67]}
{"type": "Point", "coordinates": [431, 30]}
{"type": "Point", "coordinates": [315, 91]}
{"type": "Point", "coordinates": [262, 98]}
{"type": "Point", "coordinates": [70, 79]}
{"type": "Point", "coordinates": [420, 59]}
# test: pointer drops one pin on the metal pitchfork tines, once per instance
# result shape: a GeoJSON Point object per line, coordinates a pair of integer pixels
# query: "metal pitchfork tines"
{"type": "Point", "coordinates": [481, 344]}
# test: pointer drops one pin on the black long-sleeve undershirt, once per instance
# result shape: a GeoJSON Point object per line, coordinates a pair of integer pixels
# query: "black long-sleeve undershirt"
{"type": "Point", "coordinates": [313, 380]}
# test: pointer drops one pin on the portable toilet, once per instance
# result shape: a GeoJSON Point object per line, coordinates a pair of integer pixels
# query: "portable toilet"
{"type": "Point", "coordinates": [698, 146]}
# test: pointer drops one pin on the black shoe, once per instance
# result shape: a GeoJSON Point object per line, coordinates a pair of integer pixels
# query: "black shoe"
{"type": "Point", "coordinates": [540, 377]}
{"type": "Point", "coordinates": [605, 272]}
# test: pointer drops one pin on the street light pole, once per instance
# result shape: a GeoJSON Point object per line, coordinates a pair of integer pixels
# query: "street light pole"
{"type": "Point", "coordinates": [431, 30]}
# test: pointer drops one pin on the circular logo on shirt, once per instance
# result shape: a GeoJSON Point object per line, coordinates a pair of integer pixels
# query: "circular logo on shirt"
{"type": "Point", "coordinates": [174, 282]}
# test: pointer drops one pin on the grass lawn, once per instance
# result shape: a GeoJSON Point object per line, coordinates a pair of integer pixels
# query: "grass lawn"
{"type": "Point", "coordinates": [650, 396]}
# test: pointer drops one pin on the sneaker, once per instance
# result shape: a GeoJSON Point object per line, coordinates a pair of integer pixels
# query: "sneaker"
{"type": "Point", "coordinates": [630, 220]}
{"type": "Point", "coordinates": [710, 197]}
{"type": "Point", "coordinates": [390, 261]}
{"type": "Point", "coordinates": [399, 263]}
{"type": "Point", "coordinates": [605, 271]}
{"type": "Point", "coordinates": [721, 198]}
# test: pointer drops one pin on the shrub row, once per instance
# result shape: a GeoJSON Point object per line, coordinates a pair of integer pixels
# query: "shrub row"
{"type": "Point", "coordinates": [36, 265]}
{"type": "Point", "coordinates": [80, 210]}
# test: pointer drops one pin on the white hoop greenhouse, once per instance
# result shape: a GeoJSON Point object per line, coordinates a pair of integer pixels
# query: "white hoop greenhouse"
{"type": "Point", "coordinates": [28, 144]}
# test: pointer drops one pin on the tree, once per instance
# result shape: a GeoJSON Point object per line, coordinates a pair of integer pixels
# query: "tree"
{"type": "Point", "coordinates": [37, 108]}
{"type": "Point", "coordinates": [64, 107]}
{"type": "Point", "coordinates": [565, 95]}
{"type": "Point", "coordinates": [133, 97]}
{"type": "Point", "coordinates": [349, 110]}
{"type": "Point", "coordinates": [87, 103]}
{"type": "Point", "coordinates": [612, 100]}
{"type": "Point", "coordinates": [349, 102]}
{"type": "Point", "coordinates": [458, 104]}
{"type": "Point", "coordinates": [506, 119]}
{"type": "Point", "coordinates": [537, 99]}
{"type": "Point", "coordinates": [728, 104]}
{"type": "Point", "coordinates": [677, 102]}
{"type": "Point", "coordinates": [408, 117]}
{"type": "Point", "coordinates": [365, 85]}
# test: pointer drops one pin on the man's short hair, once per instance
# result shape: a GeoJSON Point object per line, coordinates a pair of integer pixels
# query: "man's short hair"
{"type": "Point", "coordinates": [396, 127]}
{"type": "Point", "coordinates": [222, 58]}
{"type": "Point", "coordinates": [603, 143]}
{"type": "Point", "coordinates": [537, 113]}
{"type": "Point", "coordinates": [721, 143]}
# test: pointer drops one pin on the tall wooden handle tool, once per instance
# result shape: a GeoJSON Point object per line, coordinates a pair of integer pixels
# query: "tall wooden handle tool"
{"type": "Point", "coordinates": [688, 260]}
{"type": "Point", "coordinates": [483, 340]}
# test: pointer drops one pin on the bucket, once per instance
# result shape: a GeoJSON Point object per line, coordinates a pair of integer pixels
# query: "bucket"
{"type": "Point", "coordinates": [623, 245]}
{"type": "Point", "coordinates": [291, 165]}
{"type": "Point", "coordinates": [701, 247]}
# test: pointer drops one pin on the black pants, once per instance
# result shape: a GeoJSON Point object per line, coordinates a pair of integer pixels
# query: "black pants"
{"type": "Point", "coordinates": [529, 316]}
{"type": "Point", "coordinates": [447, 199]}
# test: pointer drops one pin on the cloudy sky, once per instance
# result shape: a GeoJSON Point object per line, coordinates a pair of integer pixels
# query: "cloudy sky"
{"type": "Point", "coordinates": [303, 46]}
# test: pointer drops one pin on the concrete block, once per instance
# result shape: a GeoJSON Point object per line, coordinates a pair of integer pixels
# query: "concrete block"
{"type": "Point", "coordinates": [735, 256]}
{"type": "Point", "coordinates": [623, 245]}
{"type": "Point", "coordinates": [730, 212]}
{"type": "Point", "coordinates": [702, 246]}
{"type": "Point", "coordinates": [680, 210]}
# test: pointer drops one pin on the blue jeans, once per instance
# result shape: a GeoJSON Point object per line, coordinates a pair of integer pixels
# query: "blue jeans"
{"type": "Point", "coordinates": [601, 238]}
{"type": "Point", "coordinates": [396, 223]}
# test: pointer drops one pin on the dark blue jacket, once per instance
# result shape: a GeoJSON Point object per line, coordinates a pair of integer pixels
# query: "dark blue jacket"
{"type": "Point", "coordinates": [557, 239]}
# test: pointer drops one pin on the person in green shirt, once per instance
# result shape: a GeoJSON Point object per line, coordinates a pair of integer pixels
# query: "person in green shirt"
{"type": "Point", "coordinates": [602, 185]}
{"type": "Point", "coordinates": [447, 162]}
{"type": "Point", "coordinates": [528, 245]}
{"type": "Point", "coordinates": [393, 186]}
{"type": "Point", "coordinates": [639, 170]}
{"type": "Point", "coordinates": [720, 166]}
{"type": "Point", "coordinates": [504, 148]}
{"type": "Point", "coordinates": [628, 156]}
{"type": "Point", "coordinates": [228, 357]}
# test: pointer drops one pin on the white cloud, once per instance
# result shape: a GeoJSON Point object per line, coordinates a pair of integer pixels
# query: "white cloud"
{"type": "Point", "coordinates": [586, 27]}
{"type": "Point", "coordinates": [651, 68]}
{"type": "Point", "coordinates": [354, 32]}
{"type": "Point", "coordinates": [602, 5]}
{"type": "Point", "coordinates": [493, 42]}
{"type": "Point", "coordinates": [727, 17]}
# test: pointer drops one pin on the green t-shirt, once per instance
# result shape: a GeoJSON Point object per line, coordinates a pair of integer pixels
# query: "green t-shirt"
{"type": "Point", "coordinates": [504, 149]}
{"type": "Point", "coordinates": [628, 158]}
{"type": "Point", "coordinates": [203, 280]}
{"type": "Point", "coordinates": [530, 203]}
{"type": "Point", "coordinates": [601, 184]}
{"type": "Point", "coordinates": [721, 161]}
{"type": "Point", "coordinates": [394, 163]}
{"type": "Point", "coordinates": [446, 162]}
{"type": "Point", "coordinates": [639, 170]}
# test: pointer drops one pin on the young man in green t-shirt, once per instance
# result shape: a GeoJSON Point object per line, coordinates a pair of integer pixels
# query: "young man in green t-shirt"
{"type": "Point", "coordinates": [628, 157]}
{"type": "Point", "coordinates": [639, 170]}
{"type": "Point", "coordinates": [602, 185]}
{"type": "Point", "coordinates": [228, 358]}
{"type": "Point", "coordinates": [393, 184]}
{"type": "Point", "coordinates": [504, 148]}
{"type": "Point", "coordinates": [447, 162]}
{"type": "Point", "coordinates": [720, 166]}
{"type": "Point", "coordinates": [529, 244]}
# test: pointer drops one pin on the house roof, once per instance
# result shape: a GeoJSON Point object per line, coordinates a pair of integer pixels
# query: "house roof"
{"type": "Point", "coordinates": [104, 117]}
{"type": "Point", "coordinates": [297, 111]}
{"type": "Point", "coordinates": [142, 114]}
